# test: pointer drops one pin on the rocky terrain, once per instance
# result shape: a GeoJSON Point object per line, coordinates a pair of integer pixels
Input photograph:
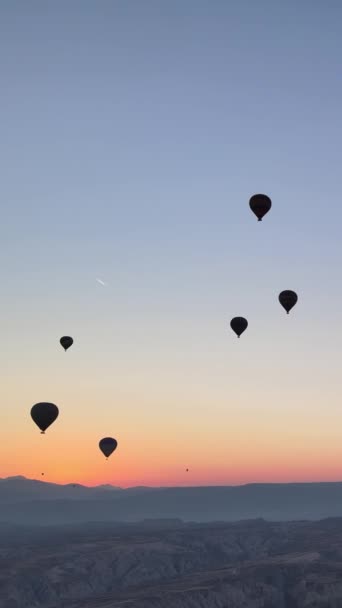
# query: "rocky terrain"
{"type": "Point", "coordinates": [169, 564]}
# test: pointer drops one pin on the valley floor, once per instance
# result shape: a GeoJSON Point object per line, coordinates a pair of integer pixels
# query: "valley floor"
{"type": "Point", "coordinates": [251, 564]}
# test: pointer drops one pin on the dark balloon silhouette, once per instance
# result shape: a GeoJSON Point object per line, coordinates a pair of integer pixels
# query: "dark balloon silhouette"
{"type": "Point", "coordinates": [239, 325]}
{"type": "Point", "coordinates": [42, 474]}
{"type": "Point", "coordinates": [187, 470]}
{"type": "Point", "coordinates": [288, 299]}
{"type": "Point", "coordinates": [260, 205]}
{"type": "Point", "coordinates": [66, 342]}
{"type": "Point", "coordinates": [44, 414]}
{"type": "Point", "coordinates": [107, 446]}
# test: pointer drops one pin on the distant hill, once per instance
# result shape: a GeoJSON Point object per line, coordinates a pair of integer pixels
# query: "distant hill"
{"type": "Point", "coordinates": [19, 489]}
{"type": "Point", "coordinates": [28, 501]}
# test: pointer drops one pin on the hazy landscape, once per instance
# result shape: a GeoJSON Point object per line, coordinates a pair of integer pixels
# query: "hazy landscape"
{"type": "Point", "coordinates": [25, 501]}
{"type": "Point", "coordinates": [172, 564]}
{"type": "Point", "coordinates": [73, 546]}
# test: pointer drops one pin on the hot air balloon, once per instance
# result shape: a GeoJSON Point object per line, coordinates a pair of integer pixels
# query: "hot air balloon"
{"type": "Point", "coordinates": [107, 446]}
{"type": "Point", "coordinates": [66, 342]}
{"type": "Point", "coordinates": [260, 205]}
{"type": "Point", "coordinates": [239, 324]}
{"type": "Point", "coordinates": [44, 414]}
{"type": "Point", "coordinates": [288, 299]}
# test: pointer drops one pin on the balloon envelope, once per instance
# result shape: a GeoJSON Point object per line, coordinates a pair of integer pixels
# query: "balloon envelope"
{"type": "Point", "coordinates": [44, 414]}
{"type": "Point", "coordinates": [260, 205]}
{"type": "Point", "coordinates": [107, 446]}
{"type": "Point", "coordinates": [66, 342]}
{"type": "Point", "coordinates": [238, 325]}
{"type": "Point", "coordinates": [288, 299]}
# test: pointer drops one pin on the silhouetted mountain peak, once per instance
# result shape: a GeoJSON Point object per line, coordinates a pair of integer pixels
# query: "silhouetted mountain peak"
{"type": "Point", "coordinates": [14, 478]}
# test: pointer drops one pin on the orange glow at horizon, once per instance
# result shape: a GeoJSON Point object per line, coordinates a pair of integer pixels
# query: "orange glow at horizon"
{"type": "Point", "coordinates": [248, 457]}
{"type": "Point", "coordinates": [222, 418]}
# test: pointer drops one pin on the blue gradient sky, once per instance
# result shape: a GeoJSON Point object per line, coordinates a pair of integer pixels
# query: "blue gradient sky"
{"type": "Point", "coordinates": [132, 136]}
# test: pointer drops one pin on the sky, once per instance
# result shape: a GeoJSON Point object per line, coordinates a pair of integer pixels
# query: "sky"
{"type": "Point", "coordinates": [133, 134]}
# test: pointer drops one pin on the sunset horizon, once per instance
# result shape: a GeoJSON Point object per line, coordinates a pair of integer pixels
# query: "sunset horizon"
{"type": "Point", "coordinates": [127, 227]}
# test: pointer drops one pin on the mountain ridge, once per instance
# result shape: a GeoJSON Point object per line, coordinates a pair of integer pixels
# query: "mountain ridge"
{"type": "Point", "coordinates": [39, 502]}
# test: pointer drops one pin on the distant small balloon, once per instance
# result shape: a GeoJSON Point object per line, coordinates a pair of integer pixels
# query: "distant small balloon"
{"type": "Point", "coordinates": [239, 325]}
{"type": "Point", "coordinates": [260, 205]}
{"type": "Point", "coordinates": [288, 299]}
{"type": "Point", "coordinates": [66, 342]}
{"type": "Point", "coordinates": [107, 446]}
{"type": "Point", "coordinates": [44, 414]}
